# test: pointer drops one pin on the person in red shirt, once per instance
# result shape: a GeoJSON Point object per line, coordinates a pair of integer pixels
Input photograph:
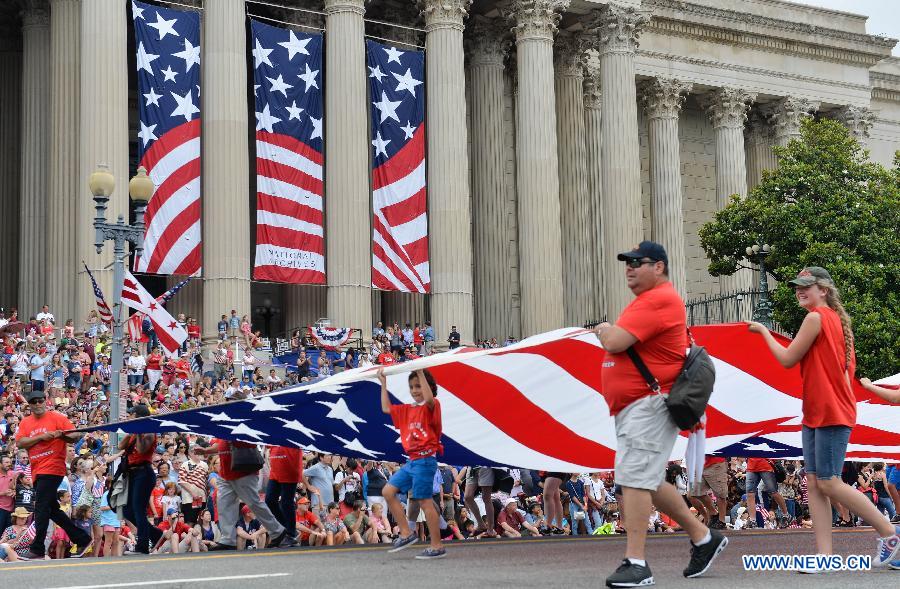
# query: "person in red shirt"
{"type": "Point", "coordinates": [824, 349]}
{"type": "Point", "coordinates": [312, 532]}
{"type": "Point", "coordinates": [420, 433]}
{"type": "Point", "coordinates": [177, 536]}
{"type": "Point", "coordinates": [510, 522]}
{"type": "Point", "coordinates": [386, 358]}
{"type": "Point", "coordinates": [654, 326]}
{"type": "Point", "coordinates": [418, 339]}
{"type": "Point", "coordinates": [285, 472]}
{"type": "Point", "coordinates": [45, 435]}
{"type": "Point", "coordinates": [761, 469]}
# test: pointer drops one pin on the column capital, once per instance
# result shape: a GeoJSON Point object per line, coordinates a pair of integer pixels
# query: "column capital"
{"type": "Point", "coordinates": [618, 28]}
{"type": "Point", "coordinates": [37, 15]}
{"type": "Point", "coordinates": [488, 42]}
{"type": "Point", "coordinates": [662, 97]}
{"type": "Point", "coordinates": [857, 119]}
{"type": "Point", "coordinates": [569, 53]}
{"type": "Point", "coordinates": [758, 128]}
{"type": "Point", "coordinates": [444, 14]}
{"type": "Point", "coordinates": [536, 19]}
{"type": "Point", "coordinates": [728, 106]}
{"type": "Point", "coordinates": [591, 88]}
{"type": "Point", "coordinates": [338, 6]}
{"type": "Point", "coordinates": [787, 113]}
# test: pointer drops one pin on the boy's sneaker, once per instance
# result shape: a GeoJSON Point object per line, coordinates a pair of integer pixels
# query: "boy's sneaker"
{"type": "Point", "coordinates": [630, 575]}
{"type": "Point", "coordinates": [80, 551]}
{"type": "Point", "coordinates": [894, 564]}
{"type": "Point", "coordinates": [431, 554]}
{"type": "Point", "coordinates": [401, 543]}
{"type": "Point", "coordinates": [703, 556]}
{"type": "Point", "coordinates": [888, 549]}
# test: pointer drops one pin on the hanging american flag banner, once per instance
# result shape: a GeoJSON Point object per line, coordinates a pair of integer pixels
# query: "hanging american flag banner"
{"type": "Point", "coordinates": [399, 224]}
{"type": "Point", "coordinates": [169, 333]}
{"type": "Point", "coordinates": [535, 404]}
{"type": "Point", "coordinates": [290, 244]}
{"type": "Point", "coordinates": [102, 308]}
{"type": "Point", "coordinates": [168, 72]}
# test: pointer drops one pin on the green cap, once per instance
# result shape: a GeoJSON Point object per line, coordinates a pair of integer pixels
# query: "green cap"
{"type": "Point", "coordinates": [810, 275]}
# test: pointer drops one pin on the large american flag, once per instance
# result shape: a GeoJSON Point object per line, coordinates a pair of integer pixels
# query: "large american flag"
{"type": "Point", "coordinates": [399, 224]}
{"type": "Point", "coordinates": [102, 307]}
{"type": "Point", "coordinates": [168, 72]}
{"type": "Point", "coordinates": [287, 74]}
{"type": "Point", "coordinates": [535, 404]}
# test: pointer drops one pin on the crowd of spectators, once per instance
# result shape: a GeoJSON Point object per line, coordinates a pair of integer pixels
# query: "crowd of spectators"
{"type": "Point", "coordinates": [337, 499]}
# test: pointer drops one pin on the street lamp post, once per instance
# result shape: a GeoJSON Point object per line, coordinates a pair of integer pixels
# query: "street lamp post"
{"type": "Point", "coordinates": [140, 188]}
{"type": "Point", "coordinates": [762, 313]}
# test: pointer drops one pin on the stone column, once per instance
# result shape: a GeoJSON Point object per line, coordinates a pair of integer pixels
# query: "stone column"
{"type": "Point", "coordinates": [662, 99]}
{"type": "Point", "coordinates": [787, 114]}
{"type": "Point", "coordinates": [857, 119]}
{"type": "Point", "coordinates": [225, 179]}
{"type": "Point", "coordinates": [10, 154]}
{"type": "Point", "coordinates": [35, 151]}
{"type": "Point", "coordinates": [348, 230]}
{"type": "Point", "coordinates": [65, 183]}
{"type": "Point", "coordinates": [449, 206]}
{"type": "Point", "coordinates": [189, 300]}
{"type": "Point", "coordinates": [727, 108]}
{"type": "Point", "coordinates": [758, 141]}
{"type": "Point", "coordinates": [103, 137]}
{"type": "Point", "coordinates": [576, 216]}
{"type": "Point", "coordinates": [619, 28]}
{"type": "Point", "coordinates": [594, 172]}
{"type": "Point", "coordinates": [537, 172]}
{"type": "Point", "coordinates": [493, 281]}
{"type": "Point", "coordinates": [304, 304]}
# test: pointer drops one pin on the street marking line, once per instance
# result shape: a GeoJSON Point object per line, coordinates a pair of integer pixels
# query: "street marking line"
{"type": "Point", "coordinates": [174, 581]}
{"type": "Point", "coordinates": [377, 547]}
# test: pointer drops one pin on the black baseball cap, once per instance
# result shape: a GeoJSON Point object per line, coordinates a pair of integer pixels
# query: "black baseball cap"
{"type": "Point", "coordinates": [646, 249]}
{"type": "Point", "coordinates": [139, 410]}
{"type": "Point", "coordinates": [32, 394]}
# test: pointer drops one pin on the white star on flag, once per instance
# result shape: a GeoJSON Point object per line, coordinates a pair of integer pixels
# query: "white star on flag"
{"type": "Point", "coordinates": [163, 26]}
{"type": "Point", "coordinates": [169, 74]}
{"type": "Point", "coordinates": [266, 403]}
{"type": "Point", "coordinates": [261, 55]}
{"type": "Point", "coordinates": [380, 144]}
{"type": "Point", "coordinates": [244, 430]}
{"type": "Point", "coordinates": [375, 72]}
{"type": "Point", "coordinates": [146, 133]}
{"type": "Point", "coordinates": [387, 108]}
{"type": "Point", "coordinates": [137, 11]}
{"type": "Point", "coordinates": [408, 130]}
{"type": "Point", "coordinates": [341, 412]}
{"type": "Point", "coordinates": [294, 110]}
{"type": "Point", "coordinates": [395, 430]}
{"type": "Point", "coordinates": [220, 416]}
{"type": "Point", "coordinates": [152, 98]}
{"type": "Point", "coordinates": [144, 59]}
{"type": "Point", "coordinates": [299, 427]}
{"type": "Point", "coordinates": [278, 85]}
{"type": "Point", "coordinates": [295, 46]}
{"type": "Point", "coordinates": [190, 55]}
{"type": "Point", "coordinates": [186, 106]}
{"type": "Point", "coordinates": [317, 127]}
{"type": "Point", "coordinates": [309, 77]}
{"type": "Point", "coordinates": [356, 446]}
{"type": "Point", "coordinates": [393, 54]}
{"type": "Point", "coordinates": [167, 423]}
{"type": "Point", "coordinates": [265, 120]}
{"type": "Point", "coordinates": [763, 447]}
{"type": "Point", "coordinates": [406, 82]}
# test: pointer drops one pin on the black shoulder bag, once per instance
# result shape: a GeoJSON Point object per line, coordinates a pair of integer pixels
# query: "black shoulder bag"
{"type": "Point", "coordinates": [246, 459]}
{"type": "Point", "coordinates": [690, 394]}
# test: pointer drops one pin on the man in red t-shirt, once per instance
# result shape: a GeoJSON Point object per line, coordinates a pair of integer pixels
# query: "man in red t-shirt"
{"type": "Point", "coordinates": [761, 469]}
{"type": "Point", "coordinates": [285, 472]}
{"type": "Point", "coordinates": [653, 325]}
{"type": "Point", "coordinates": [177, 536]}
{"type": "Point", "coordinates": [312, 532]}
{"type": "Point", "coordinates": [45, 435]}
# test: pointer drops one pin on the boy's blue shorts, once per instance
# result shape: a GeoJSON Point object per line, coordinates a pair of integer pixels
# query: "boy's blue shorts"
{"type": "Point", "coordinates": [417, 475]}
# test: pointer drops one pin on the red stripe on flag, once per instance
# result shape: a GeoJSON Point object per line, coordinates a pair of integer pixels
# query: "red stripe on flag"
{"type": "Point", "coordinates": [291, 144]}
{"type": "Point", "coordinates": [402, 163]}
{"type": "Point", "coordinates": [191, 262]}
{"type": "Point", "coordinates": [290, 238]}
{"type": "Point", "coordinates": [162, 146]}
{"type": "Point", "coordinates": [289, 275]}
{"type": "Point", "coordinates": [379, 253]}
{"type": "Point", "coordinates": [406, 210]}
{"type": "Point", "coordinates": [290, 208]}
{"type": "Point", "coordinates": [174, 232]}
{"type": "Point", "coordinates": [176, 180]}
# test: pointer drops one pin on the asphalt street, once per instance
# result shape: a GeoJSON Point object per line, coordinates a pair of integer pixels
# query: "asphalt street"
{"type": "Point", "coordinates": [551, 562]}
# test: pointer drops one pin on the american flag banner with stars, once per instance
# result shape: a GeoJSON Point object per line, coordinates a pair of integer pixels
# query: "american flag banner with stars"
{"type": "Point", "coordinates": [168, 72]}
{"type": "Point", "coordinates": [287, 75]}
{"type": "Point", "coordinates": [399, 224]}
{"type": "Point", "coordinates": [535, 404]}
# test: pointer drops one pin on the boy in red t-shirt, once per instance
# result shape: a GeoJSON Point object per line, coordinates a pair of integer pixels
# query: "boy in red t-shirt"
{"type": "Point", "coordinates": [420, 433]}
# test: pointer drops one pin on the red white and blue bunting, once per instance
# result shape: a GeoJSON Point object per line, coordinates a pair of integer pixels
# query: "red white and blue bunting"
{"type": "Point", "coordinates": [330, 338]}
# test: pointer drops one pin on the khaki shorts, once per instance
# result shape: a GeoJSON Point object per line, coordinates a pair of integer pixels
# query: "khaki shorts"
{"type": "Point", "coordinates": [645, 436]}
{"type": "Point", "coordinates": [715, 478]}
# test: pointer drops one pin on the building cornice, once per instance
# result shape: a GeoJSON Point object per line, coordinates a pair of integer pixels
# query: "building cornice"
{"type": "Point", "coordinates": [720, 25]}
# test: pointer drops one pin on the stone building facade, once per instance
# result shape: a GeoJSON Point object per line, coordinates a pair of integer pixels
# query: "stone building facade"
{"type": "Point", "coordinates": [560, 132]}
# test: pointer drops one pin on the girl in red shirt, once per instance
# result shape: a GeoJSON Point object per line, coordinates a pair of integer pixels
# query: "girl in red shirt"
{"type": "Point", "coordinates": [824, 349]}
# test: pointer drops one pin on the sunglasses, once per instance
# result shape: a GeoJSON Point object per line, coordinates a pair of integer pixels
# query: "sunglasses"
{"type": "Point", "coordinates": [636, 263]}
{"type": "Point", "coordinates": [36, 401]}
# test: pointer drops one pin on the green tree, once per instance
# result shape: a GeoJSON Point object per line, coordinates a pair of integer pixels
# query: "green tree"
{"type": "Point", "coordinates": [826, 205]}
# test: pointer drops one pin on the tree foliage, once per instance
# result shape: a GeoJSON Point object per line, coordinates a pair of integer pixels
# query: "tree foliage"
{"type": "Point", "coordinates": [826, 205]}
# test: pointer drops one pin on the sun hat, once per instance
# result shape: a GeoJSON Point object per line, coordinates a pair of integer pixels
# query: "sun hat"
{"type": "Point", "coordinates": [20, 512]}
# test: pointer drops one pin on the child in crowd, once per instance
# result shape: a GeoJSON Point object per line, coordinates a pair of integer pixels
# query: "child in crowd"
{"type": "Point", "coordinates": [84, 520]}
{"type": "Point", "coordinates": [111, 525]}
{"type": "Point", "coordinates": [59, 537]}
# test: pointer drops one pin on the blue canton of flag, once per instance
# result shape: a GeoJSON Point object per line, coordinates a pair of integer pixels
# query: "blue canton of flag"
{"type": "Point", "coordinates": [287, 84]}
{"type": "Point", "coordinates": [400, 224]}
{"type": "Point", "coordinates": [168, 72]}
